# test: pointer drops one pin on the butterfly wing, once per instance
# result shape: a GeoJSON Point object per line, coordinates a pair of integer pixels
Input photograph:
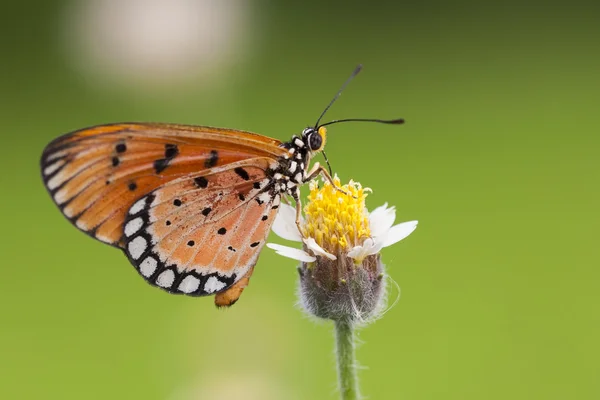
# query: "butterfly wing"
{"type": "Point", "coordinates": [190, 206]}
{"type": "Point", "coordinates": [202, 233]}
{"type": "Point", "coordinates": [95, 175]}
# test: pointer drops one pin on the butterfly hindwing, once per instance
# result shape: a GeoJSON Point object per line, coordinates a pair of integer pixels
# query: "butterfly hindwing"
{"type": "Point", "coordinates": [202, 233]}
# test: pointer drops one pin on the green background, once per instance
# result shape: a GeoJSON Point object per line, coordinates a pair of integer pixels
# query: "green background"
{"type": "Point", "coordinates": [498, 160]}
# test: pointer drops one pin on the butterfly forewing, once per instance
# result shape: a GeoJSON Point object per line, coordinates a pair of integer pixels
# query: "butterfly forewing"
{"type": "Point", "coordinates": [95, 175]}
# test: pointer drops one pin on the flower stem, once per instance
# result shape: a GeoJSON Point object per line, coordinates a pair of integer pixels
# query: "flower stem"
{"type": "Point", "coordinates": [346, 360]}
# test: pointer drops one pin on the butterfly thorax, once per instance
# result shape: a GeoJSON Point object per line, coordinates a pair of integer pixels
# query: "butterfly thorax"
{"type": "Point", "coordinates": [291, 168]}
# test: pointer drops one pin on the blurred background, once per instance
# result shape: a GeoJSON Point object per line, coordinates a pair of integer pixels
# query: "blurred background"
{"type": "Point", "coordinates": [498, 161]}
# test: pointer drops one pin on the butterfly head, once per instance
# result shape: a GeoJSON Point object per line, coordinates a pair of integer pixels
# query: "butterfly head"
{"type": "Point", "coordinates": [315, 138]}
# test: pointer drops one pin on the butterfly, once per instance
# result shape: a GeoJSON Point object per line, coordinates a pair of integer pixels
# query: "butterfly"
{"type": "Point", "coordinates": [190, 206]}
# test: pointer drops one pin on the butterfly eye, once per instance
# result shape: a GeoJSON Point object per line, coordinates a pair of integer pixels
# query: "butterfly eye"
{"type": "Point", "coordinates": [315, 141]}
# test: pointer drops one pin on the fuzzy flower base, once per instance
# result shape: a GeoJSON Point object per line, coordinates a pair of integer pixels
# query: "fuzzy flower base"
{"type": "Point", "coordinates": [338, 290]}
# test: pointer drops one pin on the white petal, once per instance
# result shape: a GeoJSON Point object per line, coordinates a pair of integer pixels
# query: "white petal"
{"type": "Point", "coordinates": [291, 252]}
{"type": "Point", "coordinates": [284, 225]}
{"type": "Point", "coordinates": [377, 246]}
{"type": "Point", "coordinates": [318, 250]}
{"type": "Point", "coordinates": [381, 220]}
{"type": "Point", "coordinates": [368, 247]}
{"type": "Point", "coordinates": [399, 232]}
{"type": "Point", "coordinates": [356, 252]}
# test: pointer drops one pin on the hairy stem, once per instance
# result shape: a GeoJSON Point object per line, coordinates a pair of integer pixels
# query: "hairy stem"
{"type": "Point", "coordinates": [346, 360]}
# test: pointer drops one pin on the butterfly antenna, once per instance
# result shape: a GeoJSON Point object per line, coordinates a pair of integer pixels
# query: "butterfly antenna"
{"type": "Point", "coordinates": [397, 121]}
{"type": "Point", "coordinates": [327, 161]}
{"type": "Point", "coordinates": [381, 121]}
{"type": "Point", "coordinates": [354, 73]}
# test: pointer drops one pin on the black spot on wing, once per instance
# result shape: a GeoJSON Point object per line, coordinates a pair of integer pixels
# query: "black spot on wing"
{"type": "Point", "coordinates": [212, 159]}
{"type": "Point", "coordinates": [242, 173]}
{"type": "Point", "coordinates": [121, 148]}
{"type": "Point", "coordinates": [160, 165]}
{"type": "Point", "coordinates": [171, 151]}
{"type": "Point", "coordinates": [201, 182]}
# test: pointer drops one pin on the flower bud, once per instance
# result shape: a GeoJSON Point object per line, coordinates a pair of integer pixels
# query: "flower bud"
{"type": "Point", "coordinates": [341, 290]}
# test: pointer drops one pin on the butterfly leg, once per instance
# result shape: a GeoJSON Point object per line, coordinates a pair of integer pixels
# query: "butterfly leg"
{"type": "Point", "coordinates": [296, 196]}
{"type": "Point", "coordinates": [317, 170]}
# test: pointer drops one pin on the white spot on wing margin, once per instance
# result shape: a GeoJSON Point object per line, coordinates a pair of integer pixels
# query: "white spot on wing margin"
{"type": "Point", "coordinates": [213, 284]}
{"type": "Point", "coordinates": [165, 279]}
{"type": "Point", "coordinates": [56, 155]}
{"type": "Point", "coordinates": [53, 167]}
{"type": "Point", "coordinates": [138, 206]}
{"type": "Point", "coordinates": [189, 284]}
{"type": "Point", "coordinates": [60, 196]}
{"type": "Point", "coordinates": [56, 180]}
{"type": "Point", "coordinates": [137, 247]}
{"type": "Point", "coordinates": [80, 224]}
{"type": "Point", "coordinates": [148, 266]}
{"type": "Point", "coordinates": [133, 226]}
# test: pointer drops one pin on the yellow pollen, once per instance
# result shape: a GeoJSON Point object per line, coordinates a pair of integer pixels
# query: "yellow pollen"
{"type": "Point", "coordinates": [337, 220]}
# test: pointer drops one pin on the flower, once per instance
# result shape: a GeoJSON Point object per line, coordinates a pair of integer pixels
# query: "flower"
{"type": "Point", "coordinates": [341, 275]}
{"type": "Point", "coordinates": [337, 223]}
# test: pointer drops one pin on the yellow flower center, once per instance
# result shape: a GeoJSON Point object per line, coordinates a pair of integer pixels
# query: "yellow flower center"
{"type": "Point", "coordinates": [336, 220]}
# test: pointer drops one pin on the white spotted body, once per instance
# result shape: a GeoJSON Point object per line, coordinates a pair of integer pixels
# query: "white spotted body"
{"type": "Point", "coordinates": [292, 169]}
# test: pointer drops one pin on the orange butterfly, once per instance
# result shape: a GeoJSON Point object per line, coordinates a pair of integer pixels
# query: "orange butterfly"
{"type": "Point", "coordinates": [190, 206]}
